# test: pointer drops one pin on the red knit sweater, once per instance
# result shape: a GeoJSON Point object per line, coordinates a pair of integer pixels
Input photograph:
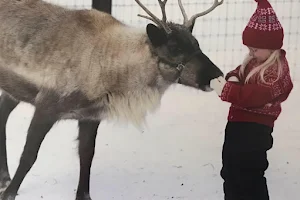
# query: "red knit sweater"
{"type": "Point", "coordinates": [256, 101]}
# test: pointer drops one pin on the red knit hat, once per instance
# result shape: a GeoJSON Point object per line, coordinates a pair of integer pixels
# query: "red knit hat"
{"type": "Point", "coordinates": [264, 30]}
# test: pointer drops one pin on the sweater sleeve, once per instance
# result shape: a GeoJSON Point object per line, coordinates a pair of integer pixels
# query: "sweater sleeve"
{"type": "Point", "coordinates": [257, 95]}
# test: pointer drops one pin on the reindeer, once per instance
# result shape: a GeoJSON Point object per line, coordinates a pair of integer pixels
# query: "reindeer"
{"type": "Point", "coordinates": [88, 66]}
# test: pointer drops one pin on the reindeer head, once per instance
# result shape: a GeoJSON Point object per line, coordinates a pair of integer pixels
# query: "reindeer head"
{"type": "Point", "coordinates": [180, 57]}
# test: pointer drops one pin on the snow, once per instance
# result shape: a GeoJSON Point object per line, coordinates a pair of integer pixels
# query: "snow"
{"type": "Point", "coordinates": [177, 157]}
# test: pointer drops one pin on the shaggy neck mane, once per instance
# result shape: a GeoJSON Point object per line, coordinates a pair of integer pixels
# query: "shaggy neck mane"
{"type": "Point", "coordinates": [137, 101]}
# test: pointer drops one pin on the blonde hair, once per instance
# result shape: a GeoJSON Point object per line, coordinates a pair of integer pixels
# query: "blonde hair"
{"type": "Point", "coordinates": [260, 70]}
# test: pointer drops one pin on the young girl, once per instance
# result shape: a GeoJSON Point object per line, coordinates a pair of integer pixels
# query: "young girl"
{"type": "Point", "coordinates": [255, 90]}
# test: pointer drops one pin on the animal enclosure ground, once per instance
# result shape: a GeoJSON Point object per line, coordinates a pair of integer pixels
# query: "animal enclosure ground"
{"type": "Point", "coordinates": [177, 157]}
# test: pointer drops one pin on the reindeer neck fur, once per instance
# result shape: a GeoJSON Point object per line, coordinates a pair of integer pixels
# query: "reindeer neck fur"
{"type": "Point", "coordinates": [137, 85]}
{"type": "Point", "coordinates": [80, 64]}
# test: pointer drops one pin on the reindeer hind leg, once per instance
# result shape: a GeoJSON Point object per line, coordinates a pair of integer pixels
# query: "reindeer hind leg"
{"type": "Point", "coordinates": [40, 125]}
{"type": "Point", "coordinates": [7, 105]}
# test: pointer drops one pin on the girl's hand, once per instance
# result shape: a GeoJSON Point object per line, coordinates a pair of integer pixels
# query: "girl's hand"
{"type": "Point", "coordinates": [217, 84]}
{"type": "Point", "coordinates": [233, 79]}
{"type": "Point", "coordinates": [268, 105]}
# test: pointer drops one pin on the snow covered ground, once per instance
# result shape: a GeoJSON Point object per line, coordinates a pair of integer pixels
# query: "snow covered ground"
{"type": "Point", "coordinates": [177, 157]}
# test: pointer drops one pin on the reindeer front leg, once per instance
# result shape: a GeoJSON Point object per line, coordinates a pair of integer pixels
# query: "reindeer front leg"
{"type": "Point", "coordinates": [40, 124]}
{"type": "Point", "coordinates": [87, 141]}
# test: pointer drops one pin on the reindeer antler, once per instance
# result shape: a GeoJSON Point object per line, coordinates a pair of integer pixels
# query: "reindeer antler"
{"type": "Point", "coordinates": [185, 17]}
{"type": "Point", "coordinates": [162, 5]}
{"type": "Point", "coordinates": [189, 22]}
{"type": "Point", "coordinates": [163, 22]}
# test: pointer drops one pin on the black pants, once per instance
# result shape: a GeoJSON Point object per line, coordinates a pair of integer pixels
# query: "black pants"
{"type": "Point", "coordinates": [244, 159]}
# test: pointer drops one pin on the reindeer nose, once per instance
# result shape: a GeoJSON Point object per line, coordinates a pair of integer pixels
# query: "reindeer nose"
{"type": "Point", "coordinates": [217, 72]}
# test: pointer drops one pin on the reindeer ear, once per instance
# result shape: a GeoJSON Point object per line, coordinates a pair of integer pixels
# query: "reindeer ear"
{"type": "Point", "coordinates": [156, 35]}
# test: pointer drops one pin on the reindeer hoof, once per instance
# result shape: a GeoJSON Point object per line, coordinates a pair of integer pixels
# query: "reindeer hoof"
{"type": "Point", "coordinates": [3, 196]}
{"type": "Point", "coordinates": [4, 182]}
{"type": "Point", "coordinates": [84, 197]}
{"type": "Point", "coordinates": [3, 185]}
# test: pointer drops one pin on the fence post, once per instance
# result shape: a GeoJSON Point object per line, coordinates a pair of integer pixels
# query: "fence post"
{"type": "Point", "coordinates": [102, 5]}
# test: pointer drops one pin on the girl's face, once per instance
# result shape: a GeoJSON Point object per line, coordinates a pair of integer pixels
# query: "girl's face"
{"type": "Point", "coordinates": [260, 54]}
